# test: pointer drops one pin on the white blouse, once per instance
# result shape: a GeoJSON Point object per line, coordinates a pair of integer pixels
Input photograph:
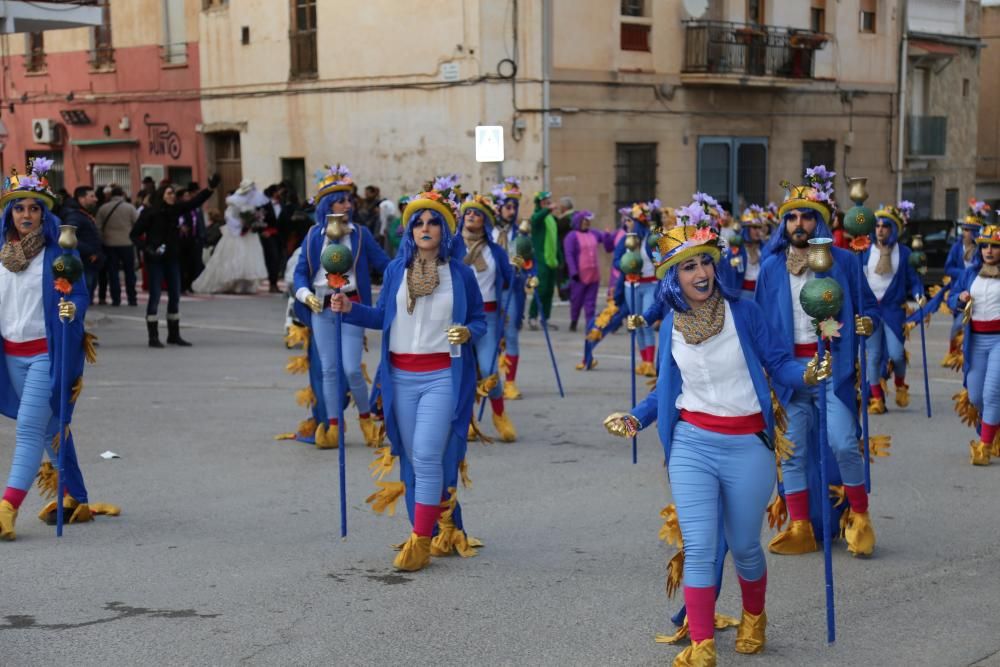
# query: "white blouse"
{"type": "Point", "coordinates": [878, 283]}
{"type": "Point", "coordinates": [648, 270]}
{"type": "Point", "coordinates": [426, 330]}
{"type": "Point", "coordinates": [715, 378]}
{"type": "Point", "coordinates": [487, 279]}
{"type": "Point", "coordinates": [22, 316]}
{"type": "Point", "coordinates": [985, 299]}
{"type": "Point", "coordinates": [804, 329]}
{"type": "Point", "coordinates": [752, 270]}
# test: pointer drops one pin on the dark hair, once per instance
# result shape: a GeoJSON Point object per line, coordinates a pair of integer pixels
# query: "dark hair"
{"type": "Point", "coordinates": [117, 191]}
{"type": "Point", "coordinates": [156, 201]}
{"type": "Point", "coordinates": [193, 187]}
{"type": "Point", "coordinates": [270, 190]}
{"type": "Point", "coordinates": [148, 179]}
{"type": "Point", "coordinates": [82, 190]}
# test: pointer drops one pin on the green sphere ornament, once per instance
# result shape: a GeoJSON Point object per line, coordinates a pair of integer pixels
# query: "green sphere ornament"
{"type": "Point", "coordinates": [523, 247]}
{"type": "Point", "coordinates": [653, 241]}
{"type": "Point", "coordinates": [68, 267]}
{"type": "Point", "coordinates": [631, 263]}
{"type": "Point", "coordinates": [336, 259]}
{"type": "Point", "coordinates": [821, 298]}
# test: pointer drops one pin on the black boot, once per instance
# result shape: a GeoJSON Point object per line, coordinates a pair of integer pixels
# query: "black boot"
{"type": "Point", "coordinates": [154, 333]}
{"type": "Point", "coordinates": [174, 334]}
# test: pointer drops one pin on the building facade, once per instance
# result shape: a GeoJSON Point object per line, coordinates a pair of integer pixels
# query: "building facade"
{"type": "Point", "coordinates": [988, 137]}
{"type": "Point", "coordinates": [110, 103]}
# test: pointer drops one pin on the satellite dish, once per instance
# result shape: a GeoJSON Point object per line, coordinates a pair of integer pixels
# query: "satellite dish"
{"type": "Point", "coordinates": [696, 8]}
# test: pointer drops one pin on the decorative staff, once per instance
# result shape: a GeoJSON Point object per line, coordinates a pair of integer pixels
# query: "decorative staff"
{"type": "Point", "coordinates": [821, 299]}
{"type": "Point", "coordinates": [523, 240]}
{"type": "Point", "coordinates": [337, 260]}
{"type": "Point", "coordinates": [918, 260]}
{"type": "Point", "coordinates": [631, 265]}
{"type": "Point", "coordinates": [859, 221]}
{"type": "Point", "coordinates": [67, 269]}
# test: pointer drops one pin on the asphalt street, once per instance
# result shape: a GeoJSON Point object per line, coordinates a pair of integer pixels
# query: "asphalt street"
{"type": "Point", "coordinates": [227, 551]}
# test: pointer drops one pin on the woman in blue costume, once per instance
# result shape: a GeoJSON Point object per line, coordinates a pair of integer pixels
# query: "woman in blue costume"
{"type": "Point", "coordinates": [961, 257]}
{"type": "Point", "coordinates": [32, 315]}
{"type": "Point", "coordinates": [474, 245]}
{"type": "Point", "coordinates": [805, 214]}
{"type": "Point", "coordinates": [311, 295]}
{"type": "Point", "coordinates": [713, 412]}
{"type": "Point", "coordinates": [976, 295]}
{"type": "Point", "coordinates": [638, 218]}
{"type": "Point", "coordinates": [893, 280]}
{"type": "Point", "coordinates": [430, 313]}
{"type": "Point", "coordinates": [507, 197]}
{"type": "Point", "coordinates": [745, 258]}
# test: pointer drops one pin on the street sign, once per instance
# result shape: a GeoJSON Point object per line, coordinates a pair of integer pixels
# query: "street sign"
{"type": "Point", "coordinates": [489, 143]}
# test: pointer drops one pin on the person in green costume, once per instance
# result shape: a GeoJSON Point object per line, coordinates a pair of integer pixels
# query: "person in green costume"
{"type": "Point", "coordinates": [545, 238]}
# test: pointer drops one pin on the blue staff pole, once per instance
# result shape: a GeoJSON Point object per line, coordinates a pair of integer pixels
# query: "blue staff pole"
{"type": "Point", "coordinates": [831, 629]}
{"type": "Point", "coordinates": [501, 320]}
{"type": "Point", "coordinates": [63, 405]}
{"type": "Point", "coordinates": [342, 462]}
{"type": "Point", "coordinates": [923, 352]}
{"type": "Point", "coordinates": [865, 390]}
{"type": "Point", "coordinates": [548, 341]}
{"type": "Point", "coordinates": [635, 438]}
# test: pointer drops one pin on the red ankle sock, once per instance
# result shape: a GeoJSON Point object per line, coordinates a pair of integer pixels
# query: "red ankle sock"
{"type": "Point", "coordinates": [512, 371]}
{"type": "Point", "coordinates": [497, 405]}
{"type": "Point", "coordinates": [899, 380]}
{"type": "Point", "coordinates": [333, 421]}
{"type": "Point", "coordinates": [987, 433]}
{"type": "Point", "coordinates": [424, 518]}
{"type": "Point", "coordinates": [798, 505]}
{"type": "Point", "coordinates": [648, 354]}
{"type": "Point", "coordinates": [14, 496]}
{"type": "Point", "coordinates": [753, 594]}
{"type": "Point", "coordinates": [700, 603]}
{"type": "Point", "coordinates": [364, 415]}
{"type": "Point", "coordinates": [876, 391]}
{"type": "Point", "coordinates": [857, 497]}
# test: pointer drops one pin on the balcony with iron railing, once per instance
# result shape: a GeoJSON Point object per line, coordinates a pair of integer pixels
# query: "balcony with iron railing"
{"type": "Point", "coordinates": [174, 54]}
{"type": "Point", "coordinates": [926, 136]}
{"type": "Point", "coordinates": [721, 52]}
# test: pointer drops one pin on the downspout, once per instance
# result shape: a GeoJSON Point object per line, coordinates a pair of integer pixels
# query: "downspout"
{"type": "Point", "coordinates": [546, 77]}
{"type": "Point", "coordinates": [903, 74]}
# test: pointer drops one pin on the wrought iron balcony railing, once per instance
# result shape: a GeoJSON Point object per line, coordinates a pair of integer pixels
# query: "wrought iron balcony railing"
{"type": "Point", "coordinates": [747, 49]}
{"type": "Point", "coordinates": [927, 136]}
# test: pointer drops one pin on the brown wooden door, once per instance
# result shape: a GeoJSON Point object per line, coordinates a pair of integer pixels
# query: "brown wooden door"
{"type": "Point", "coordinates": [227, 162]}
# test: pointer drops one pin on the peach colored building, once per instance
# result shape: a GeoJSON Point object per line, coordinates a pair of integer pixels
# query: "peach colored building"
{"type": "Point", "coordinates": [988, 139]}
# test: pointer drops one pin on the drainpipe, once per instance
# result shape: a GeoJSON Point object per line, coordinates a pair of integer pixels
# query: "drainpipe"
{"type": "Point", "coordinates": [546, 76]}
{"type": "Point", "coordinates": [903, 72]}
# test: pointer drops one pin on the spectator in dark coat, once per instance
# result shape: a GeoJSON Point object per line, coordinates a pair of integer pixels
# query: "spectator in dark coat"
{"type": "Point", "coordinates": [79, 212]}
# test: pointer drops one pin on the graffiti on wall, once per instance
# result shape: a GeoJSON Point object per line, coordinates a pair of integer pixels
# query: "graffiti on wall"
{"type": "Point", "coordinates": [162, 140]}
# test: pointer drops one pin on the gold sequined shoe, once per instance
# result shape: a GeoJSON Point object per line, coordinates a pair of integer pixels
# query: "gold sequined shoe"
{"type": "Point", "coordinates": [48, 513]}
{"type": "Point", "coordinates": [903, 395]}
{"type": "Point", "coordinates": [471, 436]}
{"type": "Point", "coordinates": [371, 432]}
{"type": "Point", "coordinates": [415, 554]}
{"type": "Point", "coordinates": [510, 391]}
{"type": "Point", "coordinates": [797, 539]}
{"type": "Point", "coordinates": [750, 635]}
{"type": "Point", "coordinates": [646, 368]}
{"type": "Point", "coordinates": [582, 366]}
{"type": "Point", "coordinates": [859, 533]}
{"type": "Point", "coordinates": [995, 449]}
{"type": "Point", "coordinates": [327, 437]}
{"type": "Point", "coordinates": [698, 654]}
{"type": "Point", "coordinates": [505, 428]}
{"type": "Point", "coordinates": [876, 406]}
{"type": "Point", "coordinates": [8, 515]}
{"type": "Point", "coordinates": [979, 453]}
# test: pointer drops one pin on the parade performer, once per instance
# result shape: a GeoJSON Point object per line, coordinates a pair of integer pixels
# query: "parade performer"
{"type": "Point", "coordinates": [237, 264]}
{"type": "Point", "coordinates": [637, 219]}
{"type": "Point", "coordinates": [805, 214]}
{"type": "Point", "coordinates": [475, 247]}
{"type": "Point", "coordinates": [33, 340]}
{"type": "Point", "coordinates": [157, 234]}
{"type": "Point", "coordinates": [892, 280]}
{"type": "Point", "coordinates": [961, 257]}
{"type": "Point", "coordinates": [744, 256]}
{"type": "Point", "coordinates": [715, 420]}
{"type": "Point", "coordinates": [430, 313]}
{"type": "Point", "coordinates": [583, 264]}
{"type": "Point", "coordinates": [977, 296]}
{"type": "Point", "coordinates": [312, 294]}
{"type": "Point", "coordinates": [507, 197]}
{"type": "Point", "coordinates": [545, 238]}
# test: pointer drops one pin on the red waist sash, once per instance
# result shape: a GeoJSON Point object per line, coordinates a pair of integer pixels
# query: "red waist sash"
{"type": "Point", "coordinates": [745, 425]}
{"type": "Point", "coordinates": [420, 363]}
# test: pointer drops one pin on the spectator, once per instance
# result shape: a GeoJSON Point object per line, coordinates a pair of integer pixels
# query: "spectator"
{"type": "Point", "coordinates": [78, 211]}
{"type": "Point", "coordinates": [192, 238]}
{"type": "Point", "coordinates": [115, 220]}
{"type": "Point", "coordinates": [277, 217]}
{"type": "Point", "coordinates": [367, 211]}
{"type": "Point", "coordinates": [148, 188]}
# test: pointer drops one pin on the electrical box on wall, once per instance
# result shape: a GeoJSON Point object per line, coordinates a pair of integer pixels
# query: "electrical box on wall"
{"type": "Point", "coordinates": [44, 131]}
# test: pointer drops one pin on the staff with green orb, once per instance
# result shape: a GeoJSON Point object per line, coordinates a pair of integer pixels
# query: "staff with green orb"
{"type": "Point", "coordinates": [631, 265]}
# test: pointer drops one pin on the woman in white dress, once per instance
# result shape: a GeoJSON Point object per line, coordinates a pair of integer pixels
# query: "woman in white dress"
{"type": "Point", "coordinates": [237, 265]}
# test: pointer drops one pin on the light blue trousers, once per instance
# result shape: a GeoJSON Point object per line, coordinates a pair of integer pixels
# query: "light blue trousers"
{"type": "Point", "coordinates": [645, 295]}
{"type": "Point", "coordinates": [712, 473]}
{"type": "Point", "coordinates": [34, 431]}
{"type": "Point", "coordinates": [422, 405]}
{"type": "Point", "coordinates": [983, 378]}
{"type": "Point", "coordinates": [352, 342]}
{"type": "Point", "coordinates": [486, 353]}
{"type": "Point", "coordinates": [511, 329]}
{"type": "Point", "coordinates": [803, 420]}
{"type": "Point", "coordinates": [884, 342]}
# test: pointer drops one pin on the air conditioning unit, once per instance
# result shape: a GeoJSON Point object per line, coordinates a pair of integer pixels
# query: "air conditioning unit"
{"type": "Point", "coordinates": [44, 131]}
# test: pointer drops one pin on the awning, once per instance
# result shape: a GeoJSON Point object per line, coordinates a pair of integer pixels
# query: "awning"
{"type": "Point", "coordinates": [83, 143]}
{"type": "Point", "coordinates": [919, 47]}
